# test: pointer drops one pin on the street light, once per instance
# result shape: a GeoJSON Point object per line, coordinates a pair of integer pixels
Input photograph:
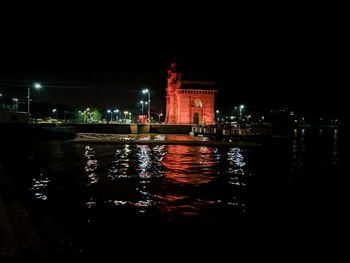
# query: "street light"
{"type": "Point", "coordinates": [217, 113]}
{"type": "Point", "coordinates": [159, 115]}
{"type": "Point", "coordinates": [240, 111]}
{"type": "Point", "coordinates": [54, 112]}
{"type": "Point", "coordinates": [15, 100]}
{"type": "Point", "coordinates": [141, 106]}
{"type": "Point", "coordinates": [35, 86]}
{"type": "Point", "coordinates": [109, 111]}
{"type": "Point", "coordinates": [149, 103]}
{"type": "Point", "coordinates": [125, 113]}
{"type": "Point", "coordinates": [116, 111]}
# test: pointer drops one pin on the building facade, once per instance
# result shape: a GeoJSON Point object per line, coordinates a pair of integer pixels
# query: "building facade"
{"type": "Point", "coordinates": [188, 101]}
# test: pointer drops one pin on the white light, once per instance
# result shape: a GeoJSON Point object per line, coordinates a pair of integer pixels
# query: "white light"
{"type": "Point", "coordinates": [87, 109]}
{"type": "Point", "coordinates": [115, 111]}
{"type": "Point", "coordinates": [15, 99]}
{"type": "Point", "coordinates": [37, 85]}
{"type": "Point", "coordinates": [141, 101]}
{"type": "Point", "coordinates": [109, 111]}
{"type": "Point", "coordinates": [54, 110]}
{"type": "Point", "coordinates": [145, 91]}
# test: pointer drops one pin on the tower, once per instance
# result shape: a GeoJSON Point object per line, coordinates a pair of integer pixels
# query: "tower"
{"type": "Point", "coordinates": [188, 101]}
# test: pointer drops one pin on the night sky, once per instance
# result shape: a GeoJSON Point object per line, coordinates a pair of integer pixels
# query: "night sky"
{"type": "Point", "coordinates": [271, 62]}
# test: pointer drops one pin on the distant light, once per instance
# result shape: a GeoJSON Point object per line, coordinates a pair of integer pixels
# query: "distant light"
{"type": "Point", "coordinates": [0, 95]}
{"type": "Point", "coordinates": [141, 101]}
{"type": "Point", "coordinates": [109, 111]}
{"type": "Point", "coordinates": [146, 102]}
{"type": "Point", "coordinates": [115, 111]}
{"type": "Point", "coordinates": [87, 109]}
{"type": "Point", "coordinates": [145, 91]}
{"type": "Point", "coordinates": [79, 111]}
{"type": "Point", "coordinates": [37, 86]}
{"type": "Point", "coordinates": [217, 111]}
{"type": "Point", "coordinates": [54, 110]}
{"type": "Point", "coordinates": [126, 112]}
{"type": "Point", "coordinates": [242, 106]}
{"type": "Point", "coordinates": [15, 99]}
{"type": "Point", "coordinates": [231, 117]}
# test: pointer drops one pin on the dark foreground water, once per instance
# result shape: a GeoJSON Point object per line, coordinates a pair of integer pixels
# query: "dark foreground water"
{"type": "Point", "coordinates": [87, 199]}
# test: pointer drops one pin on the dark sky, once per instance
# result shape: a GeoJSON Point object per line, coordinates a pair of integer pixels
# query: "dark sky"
{"type": "Point", "coordinates": [268, 61]}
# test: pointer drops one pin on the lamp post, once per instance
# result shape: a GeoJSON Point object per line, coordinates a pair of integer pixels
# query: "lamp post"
{"type": "Point", "coordinates": [116, 111]}
{"type": "Point", "coordinates": [109, 111]}
{"type": "Point", "coordinates": [240, 111]}
{"type": "Point", "coordinates": [15, 100]}
{"type": "Point", "coordinates": [217, 113]}
{"type": "Point", "coordinates": [36, 86]}
{"type": "Point", "coordinates": [125, 113]}
{"type": "Point", "coordinates": [141, 106]}
{"type": "Point", "coordinates": [149, 104]}
{"type": "Point", "coordinates": [159, 115]}
{"type": "Point", "coordinates": [54, 113]}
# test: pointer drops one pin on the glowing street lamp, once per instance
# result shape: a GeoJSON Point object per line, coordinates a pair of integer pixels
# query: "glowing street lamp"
{"type": "Point", "coordinates": [35, 86]}
{"type": "Point", "coordinates": [142, 106]}
{"type": "Point", "coordinates": [240, 111]}
{"type": "Point", "coordinates": [116, 111]}
{"type": "Point", "coordinates": [159, 115]}
{"type": "Point", "coordinates": [125, 113]}
{"type": "Point", "coordinates": [149, 103]}
{"type": "Point", "coordinates": [54, 112]}
{"type": "Point", "coordinates": [109, 111]}
{"type": "Point", "coordinates": [15, 100]}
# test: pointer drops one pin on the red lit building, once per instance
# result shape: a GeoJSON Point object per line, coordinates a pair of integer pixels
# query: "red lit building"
{"type": "Point", "coordinates": [188, 101]}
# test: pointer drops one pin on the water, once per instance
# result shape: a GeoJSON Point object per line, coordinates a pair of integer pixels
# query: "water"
{"type": "Point", "coordinates": [86, 197]}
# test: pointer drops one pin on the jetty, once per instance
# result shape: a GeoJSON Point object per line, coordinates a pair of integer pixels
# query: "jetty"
{"type": "Point", "coordinates": [156, 139]}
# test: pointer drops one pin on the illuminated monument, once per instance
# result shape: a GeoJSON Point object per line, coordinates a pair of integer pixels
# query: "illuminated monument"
{"type": "Point", "coordinates": [188, 101]}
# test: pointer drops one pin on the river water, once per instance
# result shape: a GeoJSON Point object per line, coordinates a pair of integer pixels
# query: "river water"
{"type": "Point", "coordinates": [88, 197]}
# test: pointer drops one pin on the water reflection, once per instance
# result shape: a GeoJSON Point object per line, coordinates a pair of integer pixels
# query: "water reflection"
{"type": "Point", "coordinates": [39, 187]}
{"type": "Point", "coordinates": [335, 148]}
{"type": "Point", "coordinates": [172, 181]}
{"type": "Point", "coordinates": [120, 164]}
{"type": "Point", "coordinates": [144, 165]}
{"type": "Point", "coordinates": [236, 178]}
{"type": "Point", "coordinates": [91, 165]}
